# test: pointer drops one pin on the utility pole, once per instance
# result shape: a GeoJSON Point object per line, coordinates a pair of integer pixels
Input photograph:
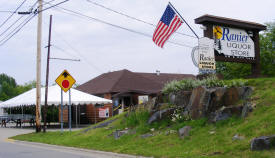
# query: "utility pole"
{"type": "Point", "coordinates": [38, 68]}
{"type": "Point", "coordinates": [47, 76]}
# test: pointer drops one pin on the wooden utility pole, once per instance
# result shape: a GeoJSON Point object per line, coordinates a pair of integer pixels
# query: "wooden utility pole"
{"type": "Point", "coordinates": [47, 76]}
{"type": "Point", "coordinates": [38, 68]}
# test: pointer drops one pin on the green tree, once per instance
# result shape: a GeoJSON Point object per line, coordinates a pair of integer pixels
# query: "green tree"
{"type": "Point", "coordinates": [7, 87]}
{"type": "Point", "coordinates": [10, 89]}
{"type": "Point", "coordinates": [267, 48]}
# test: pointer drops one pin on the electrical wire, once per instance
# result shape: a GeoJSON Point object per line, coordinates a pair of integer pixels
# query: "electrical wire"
{"type": "Point", "coordinates": [20, 26]}
{"type": "Point", "coordinates": [11, 25]}
{"type": "Point", "coordinates": [13, 13]}
{"type": "Point", "coordinates": [74, 50]}
{"type": "Point", "coordinates": [3, 41]}
{"type": "Point", "coordinates": [63, 50]}
{"type": "Point", "coordinates": [77, 52]}
{"type": "Point", "coordinates": [7, 29]}
{"type": "Point", "coordinates": [54, 5]}
{"type": "Point", "coordinates": [131, 17]}
{"type": "Point", "coordinates": [78, 14]}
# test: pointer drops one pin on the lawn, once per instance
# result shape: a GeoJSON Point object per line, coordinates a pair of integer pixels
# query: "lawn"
{"type": "Point", "coordinates": [205, 140]}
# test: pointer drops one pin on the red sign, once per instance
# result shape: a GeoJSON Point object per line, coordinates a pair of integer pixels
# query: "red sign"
{"type": "Point", "coordinates": [103, 112]}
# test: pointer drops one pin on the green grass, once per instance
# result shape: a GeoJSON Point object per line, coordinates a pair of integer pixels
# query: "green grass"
{"type": "Point", "coordinates": [200, 144]}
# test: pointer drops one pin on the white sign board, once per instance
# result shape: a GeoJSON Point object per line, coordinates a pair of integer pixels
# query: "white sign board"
{"type": "Point", "coordinates": [206, 54]}
{"type": "Point", "coordinates": [143, 99]}
{"type": "Point", "coordinates": [233, 43]}
{"type": "Point", "coordinates": [103, 112]}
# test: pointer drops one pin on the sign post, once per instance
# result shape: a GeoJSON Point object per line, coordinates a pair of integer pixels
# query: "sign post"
{"type": "Point", "coordinates": [65, 81]}
{"type": "Point", "coordinates": [61, 112]}
{"type": "Point", "coordinates": [70, 111]}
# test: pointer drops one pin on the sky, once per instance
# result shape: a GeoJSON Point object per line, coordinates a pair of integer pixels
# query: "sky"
{"type": "Point", "coordinates": [104, 48]}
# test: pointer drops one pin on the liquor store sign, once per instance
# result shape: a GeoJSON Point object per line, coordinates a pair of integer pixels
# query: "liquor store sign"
{"type": "Point", "coordinates": [206, 55]}
{"type": "Point", "coordinates": [233, 43]}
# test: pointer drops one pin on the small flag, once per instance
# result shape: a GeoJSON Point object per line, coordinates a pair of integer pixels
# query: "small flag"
{"type": "Point", "coordinates": [168, 24]}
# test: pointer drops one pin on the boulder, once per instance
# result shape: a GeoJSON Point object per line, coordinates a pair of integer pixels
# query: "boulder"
{"type": "Point", "coordinates": [225, 113]}
{"type": "Point", "coordinates": [231, 96]}
{"type": "Point", "coordinates": [216, 101]}
{"type": "Point", "coordinates": [172, 98]}
{"type": "Point", "coordinates": [237, 137]}
{"type": "Point", "coordinates": [199, 102]}
{"type": "Point", "coordinates": [182, 98]}
{"type": "Point", "coordinates": [246, 108]}
{"type": "Point", "coordinates": [118, 133]}
{"type": "Point", "coordinates": [147, 135]}
{"type": "Point", "coordinates": [184, 132]}
{"type": "Point", "coordinates": [245, 92]}
{"type": "Point", "coordinates": [150, 105]}
{"type": "Point", "coordinates": [263, 143]}
{"type": "Point", "coordinates": [160, 115]}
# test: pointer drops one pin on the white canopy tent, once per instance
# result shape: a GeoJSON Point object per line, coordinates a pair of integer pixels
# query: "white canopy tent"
{"type": "Point", "coordinates": [54, 98]}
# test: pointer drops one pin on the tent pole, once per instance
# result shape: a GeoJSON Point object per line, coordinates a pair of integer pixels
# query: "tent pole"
{"type": "Point", "coordinates": [76, 116]}
{"type": "Point", "coordinates": [22, 116]}
{"type": "Point", "coordinates": [79, 114]}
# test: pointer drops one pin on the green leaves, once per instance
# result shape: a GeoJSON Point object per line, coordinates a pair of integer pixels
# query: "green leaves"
{"type": "Point", "coordinates": [10, 89]}
{"type": "Point", "coordinates": [211, 81]}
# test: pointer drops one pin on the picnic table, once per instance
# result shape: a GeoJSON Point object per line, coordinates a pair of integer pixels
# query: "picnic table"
{"type": "Point", "coordinates": [19, 119]}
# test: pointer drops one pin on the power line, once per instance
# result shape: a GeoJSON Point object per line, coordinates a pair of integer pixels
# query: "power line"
{"type": "Point", "coordinates": [7, 29]}
{"type": "Point", "coordinates": [11, 25]}
{"type": "Point", "coordinates": [78, 14]}
{"type": "Point", "coordinates": [13, 13]}
{"type": "Point", "coordinates": [63, 50]}
{"type": "Point", "coordinates": [20, 26]}
{"type": "Point", "coordinates": [77, 52]}
{"type": "Point", "coordinates": [131, 17]}
{"type": "Point", "coordinates": [66, 59]}
{"type": "Point", "coordinates": [53, 5]}
{"type": "Point", "coordinates": [3, 41]}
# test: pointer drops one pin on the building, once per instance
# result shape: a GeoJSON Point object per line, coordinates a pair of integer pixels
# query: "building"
{"type": "Point", "coordinates": [124, 87]}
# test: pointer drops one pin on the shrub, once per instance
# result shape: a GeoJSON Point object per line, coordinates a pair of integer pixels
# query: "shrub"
{"type": "Point", "coordinates": [211, 81]}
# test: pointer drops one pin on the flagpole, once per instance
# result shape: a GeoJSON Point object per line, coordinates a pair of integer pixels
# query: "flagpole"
{"type": "Point", "coordinates": [183, 20]}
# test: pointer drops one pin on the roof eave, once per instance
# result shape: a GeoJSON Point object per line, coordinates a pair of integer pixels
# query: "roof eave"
{"type": "Point", "coordinates": [211, 19]}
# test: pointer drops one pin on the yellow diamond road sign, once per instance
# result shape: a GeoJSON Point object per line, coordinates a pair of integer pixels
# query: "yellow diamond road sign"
{"type": "Point", "coordinates": [65, 81]}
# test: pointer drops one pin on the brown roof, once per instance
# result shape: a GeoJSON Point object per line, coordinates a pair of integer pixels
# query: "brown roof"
{"type": "Point", "coordinates": [125, 81]}
{"type": "Point", "coordinates": [163, 78]}
{"type": "Point", "coordinates": [228, 21]}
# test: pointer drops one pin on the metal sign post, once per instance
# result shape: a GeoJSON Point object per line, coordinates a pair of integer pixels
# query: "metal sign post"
{"type": "Point", "coordinates": [61, 113]}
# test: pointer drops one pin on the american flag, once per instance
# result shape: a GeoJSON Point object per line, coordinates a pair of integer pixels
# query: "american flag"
{"type": "Point", "coordinates": [168, 24]}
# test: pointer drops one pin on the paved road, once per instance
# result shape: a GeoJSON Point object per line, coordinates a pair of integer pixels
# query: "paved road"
{"type": "Point", "coordinates": [17, 149]}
